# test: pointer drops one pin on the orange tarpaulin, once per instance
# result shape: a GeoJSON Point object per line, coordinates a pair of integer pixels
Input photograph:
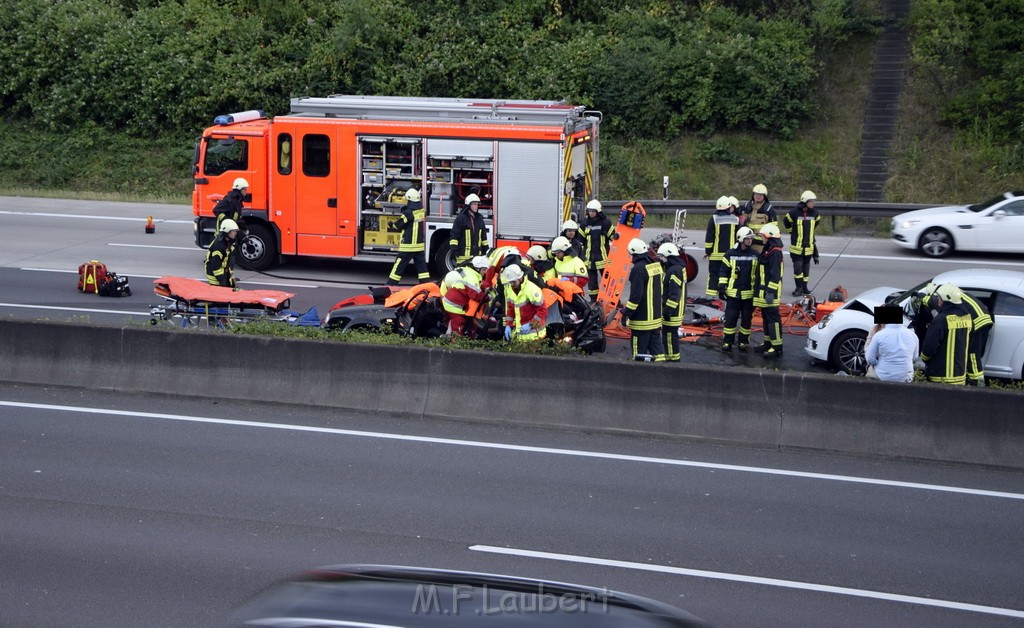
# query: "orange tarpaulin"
{"type": "Point", "coordinates": [194, 291]}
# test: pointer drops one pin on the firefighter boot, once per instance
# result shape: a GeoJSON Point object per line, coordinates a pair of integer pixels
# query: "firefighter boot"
{"type": "Point", "coordinates": [743, 343]}
{"type": "Point", "coordinates": [800, 287]}
{"type": "Point", "coordinates": [773, 352]}
{"type": "Point", "coordinates": [763, 347]}
{"type": "Point", "coordinates": [727, 342]}
{"type": "Point", "coordinates": [805, 290]}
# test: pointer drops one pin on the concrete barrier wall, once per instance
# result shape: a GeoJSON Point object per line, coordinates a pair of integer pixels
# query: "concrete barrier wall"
{"type": "Point", "coordinates": [759, 408]}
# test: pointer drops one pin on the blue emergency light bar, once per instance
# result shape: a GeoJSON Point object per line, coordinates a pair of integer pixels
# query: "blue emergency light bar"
{"type": "Point", "coordinates": [241, 116]}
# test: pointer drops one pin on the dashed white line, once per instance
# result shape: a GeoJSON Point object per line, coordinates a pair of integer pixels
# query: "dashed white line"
{"type": "Point", "coordinates": [772, 582]}
{"type": "Point", "coordinates": [90, 217]}
{"type": "Point", "coordinates": [521, 448]}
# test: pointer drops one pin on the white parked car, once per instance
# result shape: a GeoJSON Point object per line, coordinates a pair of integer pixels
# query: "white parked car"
{"type": "Point", "coordinates": [995, 226]}
{"type": "Point", "coordinates": [839, 338]}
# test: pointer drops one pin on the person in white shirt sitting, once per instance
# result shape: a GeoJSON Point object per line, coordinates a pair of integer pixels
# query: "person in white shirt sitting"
{"type": "Point", "coordinates": [892, 346]}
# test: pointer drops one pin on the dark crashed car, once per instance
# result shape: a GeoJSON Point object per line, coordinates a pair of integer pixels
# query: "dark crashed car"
{"type": "Point", "coordinates": [417, 312]}
{"type": "Point", "coordinates": [383, 596]}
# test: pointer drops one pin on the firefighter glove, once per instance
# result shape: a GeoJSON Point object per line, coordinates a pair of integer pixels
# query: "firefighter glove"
{"type": "Point", "coordinates": [815, 260]}
{"type": "Point", "coordinates": [918, 364]}
{"type": "Point", "coordinates": [525, 329]}
{"type": "Point", "coordinates": [770, 296]}
{"type": "Point", "coordinates": [722, 295]}
{"type": "Point", "coordinates": [508, 332]}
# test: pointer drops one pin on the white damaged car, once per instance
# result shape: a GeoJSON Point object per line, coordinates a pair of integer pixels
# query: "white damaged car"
{"type": "Point", "coordinates": [839, 338]}
{"type": "Point", "coordinates": [995, 226]}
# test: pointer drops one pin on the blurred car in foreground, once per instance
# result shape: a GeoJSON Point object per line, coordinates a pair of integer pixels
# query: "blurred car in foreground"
{"type": "Point", "coordinates": [384, 596]}
{"type": "Point", "coordinates": [995, 226]}
{"type": "Point", "coordinates": [839, 338]}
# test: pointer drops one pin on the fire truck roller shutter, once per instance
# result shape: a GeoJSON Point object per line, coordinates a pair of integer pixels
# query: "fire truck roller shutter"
{"type": "Point", "coordinates": [529, 190]}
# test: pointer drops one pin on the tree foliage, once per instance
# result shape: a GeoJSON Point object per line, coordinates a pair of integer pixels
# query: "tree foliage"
{"type": "Point", "coordinates": [973, 53]}
{"type": "Point", "coordinates": [655, 67]}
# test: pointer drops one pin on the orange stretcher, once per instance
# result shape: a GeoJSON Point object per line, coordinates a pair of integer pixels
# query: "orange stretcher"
{"type": "Point", "coordinates": [193, 302]}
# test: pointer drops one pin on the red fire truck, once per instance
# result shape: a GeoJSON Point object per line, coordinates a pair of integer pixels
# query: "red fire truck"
{"type": "Point", "coordinates": [329, 179]}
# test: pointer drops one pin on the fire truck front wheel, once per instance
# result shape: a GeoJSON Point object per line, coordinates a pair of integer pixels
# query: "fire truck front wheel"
{"type": "Point", "coordinates": [444, 259]}
{"type": "Point", "coordinates": [258, 249]}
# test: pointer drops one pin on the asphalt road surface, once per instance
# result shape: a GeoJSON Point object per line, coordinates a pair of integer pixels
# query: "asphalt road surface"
{"type": "Point", "coordinates": [45, 240]}
{"type": "Point", "coordinates": [122, 510]}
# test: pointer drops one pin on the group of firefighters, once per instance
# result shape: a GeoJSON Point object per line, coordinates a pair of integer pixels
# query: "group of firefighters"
{"type": "Point", "coordinates": [743, 246]}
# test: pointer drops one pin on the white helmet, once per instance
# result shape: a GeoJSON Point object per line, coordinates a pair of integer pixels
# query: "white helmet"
{"type": "Point", "coordinates": [594, 205]}
{"type": "Point", "coordinates": [570, 224]}
{"type": "Point", "coordinates": [735, 202]}
{"type": "Point", "coordinates": [722, 203]}
{"type": "Point", "coordinates": [668, 250]}
{"type": "Point", "coordinates": [760, 189]}
{"type": "Point", "coordinates": [240, 184]}
{"type": "Point", "coordinates": [537, 253]}
{"type": "Point", "coordinates": [951, 293]}
{"type": "Point", "coordinates": [560, 245]}
{"type": "Point", "coordinates": [743, 233]}
{"type": "Point", "coordinates": [512, 273]}
{"type": "Point", "coordinates": [808, 196]}
{"type": "Point", "coordinates": [472, 198]}
{"type": "Point", "coordinates": [228, 225]}
{"type": "Point", "coordinates": [452, 278]}
{"type": "Point", "coordinates": [771, 230]}
{"type": "Point", "coordinates": [412, 194]}
{"type": "Point", "coordinates": [480, 262]}
{"type": "Point", "coordinates": [637, 246]}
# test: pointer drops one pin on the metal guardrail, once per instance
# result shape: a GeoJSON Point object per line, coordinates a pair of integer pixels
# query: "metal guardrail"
{"type": "Point", "coordinates": [835, 208]}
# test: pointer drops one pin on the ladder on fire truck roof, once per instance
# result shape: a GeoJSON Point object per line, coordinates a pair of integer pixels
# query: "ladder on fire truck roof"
{"type": "Point", "coordinates": [442, 109]}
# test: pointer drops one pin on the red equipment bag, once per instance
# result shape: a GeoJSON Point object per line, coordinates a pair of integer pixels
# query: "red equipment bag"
{"type": "Point", "coordinates": [91, 276]}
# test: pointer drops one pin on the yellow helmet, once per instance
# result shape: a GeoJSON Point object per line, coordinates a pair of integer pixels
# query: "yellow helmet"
{"type": "Point", "coordinates": [722, 202]}
{"type": "Point", "coordinates": [951, 293]}
{"type": "Point", "coordinates": [560, 245]}
{"type": "Point", "coordinates": [537, 253]}
{"type": "Point", "coordinates": [760, 189]}
{"type": "Point", "coordinates": [808, 196]}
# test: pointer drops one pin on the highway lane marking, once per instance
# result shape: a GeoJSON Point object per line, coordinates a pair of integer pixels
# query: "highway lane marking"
{"type": "Point", "coordinates": [72, 309]}
{"type": "Point", "coordinates": [888, 258]}
{"type": "Point", "coordinates": [773, 582]}
{"type": "Point", "coordinates": [155, 246]}
{"type": "Point", "coordinates": [247, 281]}
{"type": "Point", "coordinates": [522, 448]}
{"type": "Point", "coordinates": [88, 217]}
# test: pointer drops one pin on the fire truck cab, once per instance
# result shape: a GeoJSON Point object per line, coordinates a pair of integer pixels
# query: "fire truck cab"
{"type": "Point", "coordinates": [330, 178]}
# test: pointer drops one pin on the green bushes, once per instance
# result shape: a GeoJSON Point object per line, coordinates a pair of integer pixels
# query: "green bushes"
{"type": "Point", "coordinates": [656, 67]}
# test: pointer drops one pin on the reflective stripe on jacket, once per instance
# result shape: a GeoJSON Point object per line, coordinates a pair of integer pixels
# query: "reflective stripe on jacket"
{"type": "Point", "coordinates": [802, 222]}
{"type": "Point", "coordinates": [411, 224]}
{"type": "Point", "coordinates": [645, 302]}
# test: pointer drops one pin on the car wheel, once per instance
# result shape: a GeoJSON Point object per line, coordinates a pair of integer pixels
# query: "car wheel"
{"type": "Point", "coordinates": [444, 259]}
{"type": "Point", "coordinates": [847, 352]}
{"type": "Point", "coordinates": [258, 249]}
{"type": "Point", "coordinates": [936, 242]}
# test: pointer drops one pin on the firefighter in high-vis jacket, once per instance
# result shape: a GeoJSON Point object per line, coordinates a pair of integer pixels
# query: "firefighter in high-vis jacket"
{"type": "Point", "coordinates": [412, 248]}
{"type": "Point", "coordinates": [526, 312]}
{"type": "Point", "coordinates": [568, 266]}
{"type": "Point", "coordinates": [767, 287]}
{"type": "Point", "coordinates": [981, 325]}
{"type": "Point", "coordinates": [460, 291]}
{"type": "Point", "coordinates": [598, 233]}
{"type": "Point", "coordinates": [469, 232]}
{"type": "Point", "coordinates": [673, 298]}
{"type": "Point", "coordinates": [802, 221]}
{"type": "Point", "coordinates": [758, 212]}
{"type": "Point", "coordinates": [643, 313]}
{"type": "Point", "coordinates": [541, 263]}
{"type": "Point", "coordinates": [948, 338]}
{"type": "Point", "coordinates": [219, 259]}
{"type": "Point", "coordinates": [718, 239]}
{"type": "Point", "coordinates": [736, 288]}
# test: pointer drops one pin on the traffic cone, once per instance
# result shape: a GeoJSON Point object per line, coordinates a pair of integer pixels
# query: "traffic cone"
{"type": "Point", "coordinates": [150, 227]}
